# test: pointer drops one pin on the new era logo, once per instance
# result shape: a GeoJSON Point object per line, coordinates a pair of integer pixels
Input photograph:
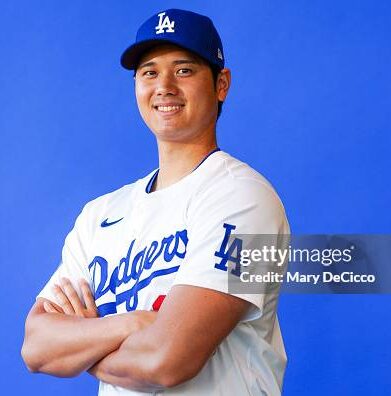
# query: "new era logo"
{"type": "Point", "coordinates": [219, 54]}
{"type": "Point", "coordinates": [165, 25]}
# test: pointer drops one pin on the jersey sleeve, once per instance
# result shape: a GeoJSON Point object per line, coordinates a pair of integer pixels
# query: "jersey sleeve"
{"type": "Point", "coordinates": [243, 207]}
{"type": "Point", "coordinates": [74, 259]}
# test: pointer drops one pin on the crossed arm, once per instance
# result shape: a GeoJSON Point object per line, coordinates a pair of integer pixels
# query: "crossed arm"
{"type": "Point", "coordinates": [139, 350]}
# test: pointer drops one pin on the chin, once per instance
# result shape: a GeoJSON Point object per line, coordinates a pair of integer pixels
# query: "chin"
{"type": "Point", "coordinates": [167, 129]}
{"type": "Point", "coordinates": [170, 134]}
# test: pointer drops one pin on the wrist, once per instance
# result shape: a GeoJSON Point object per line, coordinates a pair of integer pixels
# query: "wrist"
{"type": "Point", "coordinates": [125, 323]}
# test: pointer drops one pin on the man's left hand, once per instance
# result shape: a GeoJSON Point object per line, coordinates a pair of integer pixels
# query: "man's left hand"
{"type": "Point", "coordinates": [69, 302]}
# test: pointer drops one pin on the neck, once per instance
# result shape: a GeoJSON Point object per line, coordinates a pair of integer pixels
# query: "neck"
{"type": "Point", "coordinates": [177, 160]}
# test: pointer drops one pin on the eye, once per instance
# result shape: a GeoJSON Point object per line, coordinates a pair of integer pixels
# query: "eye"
{"type": "Point", "coordinates": [184, 72]}
{"type": "Point", "coordinates": [149, 73]}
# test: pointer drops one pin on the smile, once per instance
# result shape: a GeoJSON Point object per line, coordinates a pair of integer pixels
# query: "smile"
{"type": "Point", "coordinates": [168, 109]}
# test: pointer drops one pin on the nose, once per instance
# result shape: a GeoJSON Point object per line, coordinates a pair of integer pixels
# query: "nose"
{"type": "Point", "coordinates": [166, 85]}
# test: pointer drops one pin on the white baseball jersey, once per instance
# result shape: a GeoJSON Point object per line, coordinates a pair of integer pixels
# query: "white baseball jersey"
{"type": "Point", "coordinates": [133, 245]}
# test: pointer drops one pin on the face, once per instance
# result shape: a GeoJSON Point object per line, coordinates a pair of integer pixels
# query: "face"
{"type": "Point", "coordinates": [176, 94]}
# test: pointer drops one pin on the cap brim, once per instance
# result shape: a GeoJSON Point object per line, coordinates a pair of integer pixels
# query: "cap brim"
{"type": "Point", "coordinates": [131, 56]}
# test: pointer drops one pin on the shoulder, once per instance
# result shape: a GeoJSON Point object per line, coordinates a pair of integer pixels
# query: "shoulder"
{"type": "Point", "coordinates": [228, 177]}
{"type": "Point", "coordinates": [114, 203]}
{"type": "Point", "coordinates": [231, 189]}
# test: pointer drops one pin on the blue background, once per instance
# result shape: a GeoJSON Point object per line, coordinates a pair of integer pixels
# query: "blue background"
{"type": "Point", "coordinates": [309, 108]}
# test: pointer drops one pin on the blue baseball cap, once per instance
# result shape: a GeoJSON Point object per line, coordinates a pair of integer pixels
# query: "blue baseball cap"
{"type": "Point", "coordinates": [186, 29]}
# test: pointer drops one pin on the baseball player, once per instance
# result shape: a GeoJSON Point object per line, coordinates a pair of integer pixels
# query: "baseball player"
{"type": "Point", "coordinates": [140, 299]}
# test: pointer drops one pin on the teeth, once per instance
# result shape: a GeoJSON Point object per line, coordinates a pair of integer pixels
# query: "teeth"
{"type": "Point", "coordinates": [168, 108]}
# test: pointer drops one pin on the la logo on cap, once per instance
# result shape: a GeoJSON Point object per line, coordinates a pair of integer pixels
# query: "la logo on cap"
{"type": "Point", "coordinates": [165, 25]}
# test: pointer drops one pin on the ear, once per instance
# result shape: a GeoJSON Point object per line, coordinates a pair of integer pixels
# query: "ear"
{"type": "Point", "coordinates": [223, 84]}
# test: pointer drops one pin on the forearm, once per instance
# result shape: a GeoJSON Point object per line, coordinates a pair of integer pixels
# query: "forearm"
{"type": "Point", "coordinates": [103, 371]}
{"type": "Point", "coordinates": [135, 365]}
{"type": "Point", "coordinates": [148, 361]}
{"type": "Point", "coordinates": [65, 345]}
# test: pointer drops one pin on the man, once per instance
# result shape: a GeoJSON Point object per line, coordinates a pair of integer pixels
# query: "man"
{"type": "Point", "coordinates": [156, 253]}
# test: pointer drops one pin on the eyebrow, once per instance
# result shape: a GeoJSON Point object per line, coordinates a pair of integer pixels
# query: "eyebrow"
{"type": "Point", "coordinates": [176, 62]}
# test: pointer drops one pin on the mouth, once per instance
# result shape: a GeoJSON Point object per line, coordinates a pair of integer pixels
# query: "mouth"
{"type": "Point", "coordinates": [168, 108]}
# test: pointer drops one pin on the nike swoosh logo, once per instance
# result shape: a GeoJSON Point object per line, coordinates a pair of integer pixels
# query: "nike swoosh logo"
{"type": "Point", "coordinates": [106, 223]}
